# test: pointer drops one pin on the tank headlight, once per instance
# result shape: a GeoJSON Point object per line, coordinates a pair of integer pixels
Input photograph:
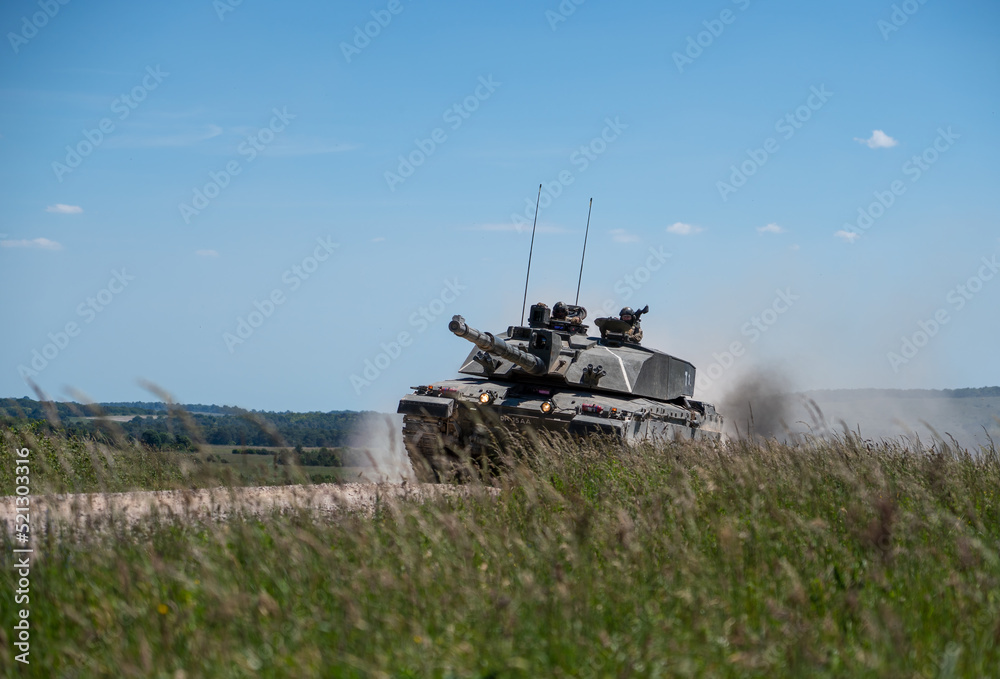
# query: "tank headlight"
{"type": "Point", "coordinates": [485, 398]}
{"type": "Point", "coordinates": [547, 407]}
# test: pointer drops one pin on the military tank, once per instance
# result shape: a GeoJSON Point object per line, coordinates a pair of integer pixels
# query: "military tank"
{"type": "Point", "coordinates": [550, 375]}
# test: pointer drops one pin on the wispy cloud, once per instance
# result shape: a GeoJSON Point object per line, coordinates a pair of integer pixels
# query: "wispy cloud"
{"type": "Point", "coordinates": [61, 209]}
{"type": "Point", "coordinates": [849, 236]}
{"type": "Point", "coordinates": [511, 226]}
{"type": "Point", "coordinates": [206, 253]}
{"type": "Point", "coordinates": [682, 229]}
{"type": "Point", "coordinates": [37, 243]}
{"type": "Point", "coordinates": [770, 228]}
{"type": "Point", "coordinates": [378, 239]}
{"type": "Point", "coordinates": [878, 140]}
{"type": "Point", "coordinates": [165, 139]}
{"type": "Point", "coordinates": [623, 236]}
{"type": "Point", "coordinates": [177, 130]}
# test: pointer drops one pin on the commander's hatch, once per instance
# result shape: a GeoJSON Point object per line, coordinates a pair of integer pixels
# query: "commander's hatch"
{"type": "Point", "coordinates": [613, 330]}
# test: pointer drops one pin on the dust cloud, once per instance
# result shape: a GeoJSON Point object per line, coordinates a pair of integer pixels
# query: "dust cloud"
{"type": "Point", "coordinates": [760, 404]}
{"type": "Point", "coordinates": [917, 418]}
{"type": "Point", "coordinates": [377, 449]}
{"type": "Point", "coordinates": [764, 403]}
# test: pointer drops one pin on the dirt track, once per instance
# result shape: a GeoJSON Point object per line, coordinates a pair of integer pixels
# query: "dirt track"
{"type": "Point", "coordinates": [96, 509]}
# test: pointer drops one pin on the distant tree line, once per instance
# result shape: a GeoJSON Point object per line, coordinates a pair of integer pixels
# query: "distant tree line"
{"type": "Point", "coordinates": [851, 394]}
{"type": "Point", "coordinates": [144, 407]}
{"type": "Point", "coordinates": [172, 429]}
{"type": "Point", "coordinates": [973, 391]}
{"type": "Point", "coordinates": [309, 430]}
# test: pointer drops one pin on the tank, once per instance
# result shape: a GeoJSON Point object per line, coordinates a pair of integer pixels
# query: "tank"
{"type": "Point", "coordinates": [550, 375]}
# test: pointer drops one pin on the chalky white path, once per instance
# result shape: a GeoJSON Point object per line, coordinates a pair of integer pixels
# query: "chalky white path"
{"type": "Point", "coordinates": [88, 510]}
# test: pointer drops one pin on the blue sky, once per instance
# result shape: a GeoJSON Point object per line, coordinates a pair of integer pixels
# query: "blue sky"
{"type": "Point", "coordinates": [356, 189]}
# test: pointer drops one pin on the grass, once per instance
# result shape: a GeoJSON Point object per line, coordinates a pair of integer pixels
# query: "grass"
{"type": "Point", "coordinates": [73, 465]}
{"type": "Point", "coordinates": [260, 470]}
{"type": "Point", "coordinates": [835, 559]}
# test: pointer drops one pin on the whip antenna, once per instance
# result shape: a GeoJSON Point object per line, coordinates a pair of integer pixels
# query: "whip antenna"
{"type": "Point", "coordinates": [584, 256]}
{"type": "Point", "coordinates": [530, 250]}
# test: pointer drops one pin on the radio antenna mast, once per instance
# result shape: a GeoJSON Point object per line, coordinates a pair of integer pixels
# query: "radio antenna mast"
{"type": "Point", "coordinates": [530, 250]}
{"type": "Point", "coordinates": [584, 256]}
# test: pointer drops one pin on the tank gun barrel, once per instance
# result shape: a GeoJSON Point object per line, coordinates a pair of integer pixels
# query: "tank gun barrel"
{"type": "Point", "coordinates": [487, 342]}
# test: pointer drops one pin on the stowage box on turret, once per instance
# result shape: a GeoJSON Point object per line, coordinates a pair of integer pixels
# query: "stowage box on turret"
{"type": "Point", "coordinates": [549, 375]}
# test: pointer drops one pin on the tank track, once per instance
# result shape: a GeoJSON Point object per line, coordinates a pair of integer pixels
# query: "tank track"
{"type": "Point", "coordinates": [439, 452]}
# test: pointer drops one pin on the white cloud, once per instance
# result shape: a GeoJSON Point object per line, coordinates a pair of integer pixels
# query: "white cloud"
{"type": "Point", "coordinates": [770, 228]}
{"type": "Point", "coordinates": [849, 236]}
{"type": "Point", "coordinates": [378, 239]}
{"type": "Point", "coordinates": [40, 243]}
{"type": "Point", "coordinates": [682, 229]}
{"type": "Point", "coordinates": [206, 253]}
{"type": "Point", "coordinates": [502, 226]}
{"type": "Point", "coordinates": [878, 140]}
{"type": "Point", "coordinates": [61, 209]}
{"type": "Point", "coordinates": [623, 236]}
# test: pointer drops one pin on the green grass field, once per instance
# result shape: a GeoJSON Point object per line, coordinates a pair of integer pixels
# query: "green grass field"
{"type": "Point", "coordinates": [839, 559]}
{"type": "Point", "coordinates": [80, 466]}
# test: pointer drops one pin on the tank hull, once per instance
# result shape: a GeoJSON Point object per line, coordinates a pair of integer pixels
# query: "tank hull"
{"type": "Point", "coordinates": [455, 428]}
